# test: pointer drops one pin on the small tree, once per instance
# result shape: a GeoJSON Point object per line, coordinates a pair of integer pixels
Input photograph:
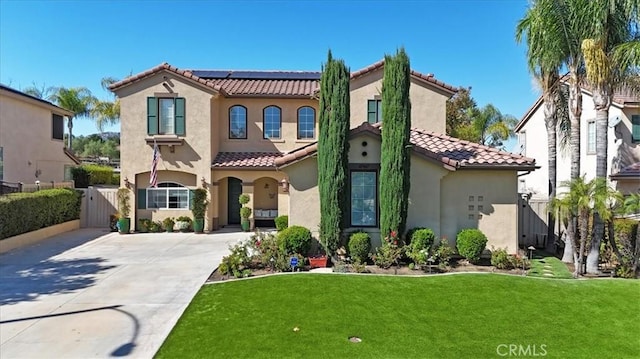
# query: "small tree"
{"type": "Point", "coordinates": [124, 207]}
{"type": "Point", "coordinates": [395, 159]}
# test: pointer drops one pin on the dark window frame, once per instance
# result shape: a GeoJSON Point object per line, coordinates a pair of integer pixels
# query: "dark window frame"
{"type": "Point", "coordinates": [371, 168]}
{"type": "Point", "coordinates": [298, 123]}
{"type": "Point", "coordinates": [264, 117]}
{"type": "Point", "coordinates": [635, 123]}
{"type": "Point", "coordinates": [377, 111]}
{"type": "Point", "coordinates": [54, 117]}
{"type": "Point", "coordinates": [246, 126]}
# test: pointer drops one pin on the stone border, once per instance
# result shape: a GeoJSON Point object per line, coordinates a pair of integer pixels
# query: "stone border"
{"type": "Point", "coordinates": [36, 236]}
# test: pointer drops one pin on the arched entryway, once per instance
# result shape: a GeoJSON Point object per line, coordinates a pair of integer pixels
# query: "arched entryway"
{"type": "Point", "coordinates": [265, 201]}
{"type": "Point", "coordinates": [234, 191]}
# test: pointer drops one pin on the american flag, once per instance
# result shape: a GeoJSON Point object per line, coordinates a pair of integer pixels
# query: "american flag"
{"type": "Point", "coordinates": [153, 180]}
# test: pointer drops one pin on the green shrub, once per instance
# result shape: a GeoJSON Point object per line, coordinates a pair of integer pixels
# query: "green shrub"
{"type": "Point", "coordinates": [245, 212]}
{"type": "Point", "coordinates": [359, 246]}
{"type": "Point", "coordinates": [237, 262]}
{"type": "Point", "coordinates": [115, 180]}
{"type": "Point", "coordinates": [501, 259]}
{"type": "Point", "coordinates": [470, 243]}
{"type": "Point", "coordinates": [389, 253]}
{"type": "Point", "coordinates": [183, 223]}
{"type": "Point", "coordinates": [282, 222]}
{"type": "Point", "coordinates": [295, 239]}
{"type": "Point", "coordinates": [625, 233]}
{"type": "Point", "coordinates": [99, 174]}
{"type": "Point", "coordinates": [443, 253]}
{"type": "Point", "coordinates": [199, 203]}
{"type": "Point", "coordinates": [80, 177]}
{"type": "Point", "coordinates": [145, 224]}
{"type": "Point", "coordinates": [267, 253]}
{"type": "Point", "coordinates": [420, 244]}
{"type": "Point", "coordinates": [26, 212]}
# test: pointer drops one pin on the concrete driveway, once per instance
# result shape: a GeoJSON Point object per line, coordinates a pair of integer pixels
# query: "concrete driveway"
{"type": "Point", "coordinates": [93, 294]}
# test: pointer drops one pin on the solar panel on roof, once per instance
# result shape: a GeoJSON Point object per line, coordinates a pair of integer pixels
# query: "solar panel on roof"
{"type": "Point", "coordinates": [211, 74]}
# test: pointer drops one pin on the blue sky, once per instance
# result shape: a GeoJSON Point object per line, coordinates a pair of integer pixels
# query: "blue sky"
{"type": "Point", "coordinates": [76, 43]}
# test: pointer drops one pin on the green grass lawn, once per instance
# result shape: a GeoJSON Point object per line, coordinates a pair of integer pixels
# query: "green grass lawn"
{"type": "Point", "coordinates": [544, 263]}
{"type": "Point", "coordinates": [453, 316]}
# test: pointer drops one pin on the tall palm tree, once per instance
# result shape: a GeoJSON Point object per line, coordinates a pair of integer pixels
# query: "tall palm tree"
{"type": "Point", "coordinates": [106, 112]}
{"type": "Point", "coordinates": [545, 57]}
{"type": "Point", "coordinates": [79, 100]}
{"type": "Point", "coordinates": [614, 22]}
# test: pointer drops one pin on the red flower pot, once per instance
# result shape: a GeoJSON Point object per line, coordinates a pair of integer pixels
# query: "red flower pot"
{"type": "Point", "coordinates": [319, 262]}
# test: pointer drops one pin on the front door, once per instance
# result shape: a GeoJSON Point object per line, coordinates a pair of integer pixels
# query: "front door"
{"type": "Point", "coordinates": [234, 191]}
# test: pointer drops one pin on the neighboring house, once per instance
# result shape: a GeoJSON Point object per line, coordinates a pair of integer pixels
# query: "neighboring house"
{"type": "Point", "coordinates": [255, 132]}
{"type": "Point", "coordinates": [31, 139]}
{"type": "Point", "coordinates": [623, 149]}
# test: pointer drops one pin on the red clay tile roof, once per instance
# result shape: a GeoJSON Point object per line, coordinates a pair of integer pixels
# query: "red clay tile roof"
{"type": "Point", "coordinates": [451, 152]}
{"type": "Point", "coordinates": [246, 160]}
{"type": "Point", "coordinates": [163, 67]}
{"type": "Point", "coordinates": [632, 171]}
{"type": "Point", "coordinates": [298, 84]}
{"type": "Point", "coordinates": [416, 75]}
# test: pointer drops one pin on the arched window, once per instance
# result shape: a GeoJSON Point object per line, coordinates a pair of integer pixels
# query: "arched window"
{"type": "Point", "coordinates": [306, 123]}
{"type": "Point", "coordinates": [272, 122]}
{"type": "Point", "coordinates": [168, 195]}
{"type": "Point", "coordinates": [238, 122]}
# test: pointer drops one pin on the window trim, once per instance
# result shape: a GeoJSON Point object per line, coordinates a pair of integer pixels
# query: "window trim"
{"type": "Point", "coordinates": [246, 126]}
{"type": "Point", "coordinates": [53, 127]}
{"type": "Point", "coordinates": [157, 98]}
{"type": "Point", "coordinates": [375, 169]}
{"type": "Point", "coordinates": [637, 123]}
{"type": "Point", "coordinates": [298, 123]}
{"type": "Point", "coordinates": [159, 101]}
{"type": "Point", "coordinates": [264, 132]}
{"type": "Point", "coordinates": [179, 186]}
{"type": "Point", "coordinates": [378, 111]}
{"type": "Point", "coordinates": [590, 151]}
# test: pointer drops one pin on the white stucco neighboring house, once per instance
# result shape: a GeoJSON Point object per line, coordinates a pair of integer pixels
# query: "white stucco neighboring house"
{"type": "Point", "coordinates": [623, 146]}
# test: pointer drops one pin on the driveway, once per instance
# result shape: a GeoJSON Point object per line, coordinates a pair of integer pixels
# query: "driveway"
{"type": "Point", "coordinates": [93, 294]}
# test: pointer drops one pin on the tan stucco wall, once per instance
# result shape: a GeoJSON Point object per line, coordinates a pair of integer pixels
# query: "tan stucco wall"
{"type": "Point", "coordinates": [26, 131]}
{"type": "Point", "coordinates": [428, 106]}
{"type": "Point", "coordinates": [255, 141]}
{"type": "Point", "coordinates": [192, 157]}
{"type": "Point", "coordinates": [186, 179]}
{"type": "Point", "coordinates": [499, 220]}
{"type": "Point", "coordinates": [37, 236]}
{"type": "Point", "coordinates": [425, 194]}
{"type": "Point", "coordinates": [304, 198]}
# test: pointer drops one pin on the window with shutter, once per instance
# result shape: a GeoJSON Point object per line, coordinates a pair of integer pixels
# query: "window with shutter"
{"type": "Point", "coordinates": [374, 111]}
{"type": "Point", "coordinates": [166, 116]}
{"type": "Point", "coordinates": [635, 128]}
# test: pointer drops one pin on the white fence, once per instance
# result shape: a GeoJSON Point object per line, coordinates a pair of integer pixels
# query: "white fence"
{"type": "Point", "coordinates": [533, 223]}
{"type": "Point", "coordinates": [97, 205]}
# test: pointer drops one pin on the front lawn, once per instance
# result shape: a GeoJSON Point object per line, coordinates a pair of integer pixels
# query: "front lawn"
{"type": "Point", "coordinates": [449, 316]}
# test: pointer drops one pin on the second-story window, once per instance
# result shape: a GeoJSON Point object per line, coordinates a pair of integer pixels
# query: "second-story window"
{"type": "Point", "coordinates": [591, 137]}
{"type": "Point", "coordinates": [166, 116]}
{"type": "Point", "coordinates": [306, 123]}
{"type": "Point", "coordinates": [238, 122]}
{"type": "Point", "coordinates": [272, 122]}
{"type": "Point", "coordinates": [57, 127]}
{"type": "Point", "coordinates": [374, 111]}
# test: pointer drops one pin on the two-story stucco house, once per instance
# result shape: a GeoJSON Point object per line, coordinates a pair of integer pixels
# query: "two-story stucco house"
{"type": "Point", "coordinates": [623, 149]}
{"type": "Point", "coordinates": [255, 132]}
{"type": "Point", "coordinates": [31, 139]}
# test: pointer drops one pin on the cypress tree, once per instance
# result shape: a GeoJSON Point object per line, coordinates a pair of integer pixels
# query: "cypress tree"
{"type": "Point", "coordinates": [396, 131]}
{"type": "Point", "coordinates": [333, 147]}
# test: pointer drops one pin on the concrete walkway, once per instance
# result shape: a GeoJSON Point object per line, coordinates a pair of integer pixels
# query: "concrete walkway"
{"type": "Point", "coordinates": [93, 294]}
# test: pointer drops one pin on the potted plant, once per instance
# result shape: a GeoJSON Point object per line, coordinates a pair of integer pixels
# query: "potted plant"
{"type": "Point", "coordinates": [245, 212]}
{"type": "Point", "coordinates": [168, 224]}
{"type": "Point", "coordinates": [124, 207]}
{"type": "Point", "coordinates": [145, 224]}
{"type": "Point", "coordinates": [183, 223]}
{"type": "Point", "coordinates": [199, 208]}
{"type": "Point", "coordinates": [320, 259]}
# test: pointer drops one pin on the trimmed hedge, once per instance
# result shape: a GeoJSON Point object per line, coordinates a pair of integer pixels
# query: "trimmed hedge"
{"type": "Point", "coordinates": [26, 212]}
{"type": "Point", "coordinates": [295, 239]}
{"type": "Point", "coordinates": [282, 223]}
{"type": "Point", "coordinates": [359, 246]}
{"type": "Point", "coordinates": [89, 175]}
{"type": "Point", "coordinates": [471, 243]}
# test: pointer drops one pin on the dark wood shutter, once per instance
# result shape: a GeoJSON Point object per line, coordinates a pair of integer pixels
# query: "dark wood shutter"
{"type": "Point", "coordinates": [152, 115]}
{"type": "Point", "coordinates": [142, 198]}
{"type": "Point", "coordinates": [179, 116]}
{"type": "Point", "coordinates": [57, 127]}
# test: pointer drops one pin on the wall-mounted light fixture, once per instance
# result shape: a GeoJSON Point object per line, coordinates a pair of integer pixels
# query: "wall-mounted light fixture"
{"type": "Point", "coordinates": [204, 182]}
{"type": "Point", "coordinates": [285, 185]}
{"type": "Point", "coordinates": [127, 183]}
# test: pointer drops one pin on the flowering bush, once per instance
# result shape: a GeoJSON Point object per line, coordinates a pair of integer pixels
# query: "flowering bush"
{"type": "Point", "coordinates": [389, 252]}
{"type": "Point", "coordinates": [421, 241]}
{"type": "Point", "coordinates": [443, 253]}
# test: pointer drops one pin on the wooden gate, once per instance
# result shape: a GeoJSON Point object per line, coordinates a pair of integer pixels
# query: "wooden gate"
{"type": "Point", "coordinates": [97, 205]}
{"type": "Point", "coordinates": [532, 222]}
